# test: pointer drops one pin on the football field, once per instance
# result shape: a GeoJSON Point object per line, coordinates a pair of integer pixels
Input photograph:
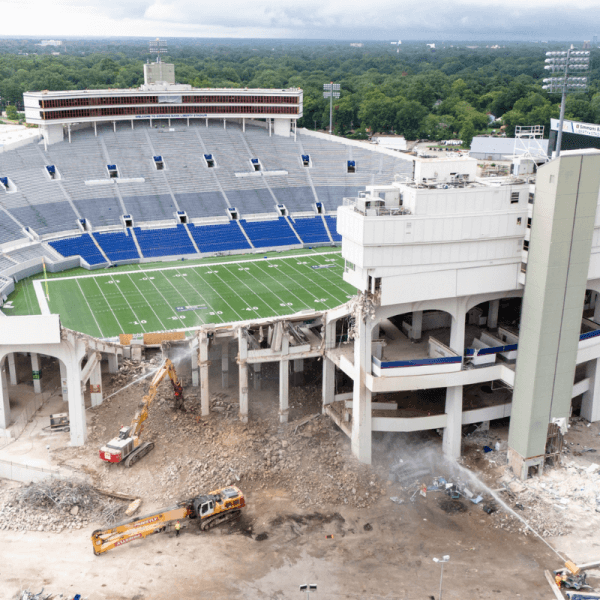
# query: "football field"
{"type": "Point", "coordinates": [152, 298]}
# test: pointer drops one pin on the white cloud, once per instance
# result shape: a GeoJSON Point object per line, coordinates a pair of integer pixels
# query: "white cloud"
{"type": "Point", "coordinates": [341, 19]}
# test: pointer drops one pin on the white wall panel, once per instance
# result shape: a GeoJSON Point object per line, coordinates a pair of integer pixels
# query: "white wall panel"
{"type": "Point", "coordinates": [487, 279]}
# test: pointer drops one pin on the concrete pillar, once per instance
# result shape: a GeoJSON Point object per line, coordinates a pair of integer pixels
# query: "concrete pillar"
{"type": "Point", "coordinates": [225, 365]}
{"type": "Point", "coordinates": [257, 380]}
{"type": "Point", "coordinates": [96, 384]}
{"type": "Point", "coordinates": [204, 384]}
{"type": "Point", "coordinates": [243, 384]}
{"type": "Point", "coordinates": [590, 403]}
{"type": "Point", "coordinates": [77, 417]}
{"type": "Point", "coordinates": [328, 381]}
{"type": "Point", "coordinates": [195, 370]}
{"type": "Point", "coordinates": [12, 368]}
{"type": "Point", "coordinates": [597, 310]}
{"type": "Point", "coordinates": [36, 373]}
{"type": "Point", "coordinates": [361, 397]}
{"type": "Point", "coordinates": [64, 384]}
{"type": "Point", "coordinates": [329, 331]}
{"type": "Point", "coordinates": [492, 320]}
{"type": "Point", "coordinates": [457, 332]}
{"type": "Point", "coordinates": [417, 324]}
{"type": "Point", "coordinates": [298, 377]}
{"type": "Point", "coordinates": [284, 390]}
{"type": "Point", "coordinates": [113, 363]}
{"type": "Point", "coordinates": [562, 229]}
{"type": "Point", "coordinates": [452, 439]}
{"type": "Point", "coordinates": [4, 403]}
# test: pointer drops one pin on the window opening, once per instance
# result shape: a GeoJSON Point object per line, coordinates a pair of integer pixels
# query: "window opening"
{"type": "Point", "coordinates": [210, 161]}
{"type": "Point", "coordinates": [514, 197]}
{"type": "Point", "coordinates": [255, 164]}
{"type": "Point", "coordinates": [351, 166]}
{"type": "Point", "coordinates": [113, 172]}
{"type": "Point", "coordinates": [159, 163]}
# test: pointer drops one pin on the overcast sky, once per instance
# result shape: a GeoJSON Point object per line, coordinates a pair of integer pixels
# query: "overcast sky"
{"type": "Point", "coordinates": [333, 19]}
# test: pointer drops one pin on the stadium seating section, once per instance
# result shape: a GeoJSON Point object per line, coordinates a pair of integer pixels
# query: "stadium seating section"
{"type": "Point", "coordinates": [332, 226]}
{"type": "Point", "coordinates": [82, 245]}
{"type": "Point", "coordinates": [51, 207]}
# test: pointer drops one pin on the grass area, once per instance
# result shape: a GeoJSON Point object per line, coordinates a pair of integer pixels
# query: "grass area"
{"type": "Point", "coordinates": [186, 294]}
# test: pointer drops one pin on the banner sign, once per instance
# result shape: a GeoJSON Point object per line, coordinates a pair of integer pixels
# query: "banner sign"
{"type": "Point", "coordinates": [576, 127]}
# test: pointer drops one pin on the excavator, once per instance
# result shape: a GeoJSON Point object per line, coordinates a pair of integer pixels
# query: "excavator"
{"type": "Point", "coordinates": [128, 447]}
{"type": "Point", "coordinates": [209, 510]}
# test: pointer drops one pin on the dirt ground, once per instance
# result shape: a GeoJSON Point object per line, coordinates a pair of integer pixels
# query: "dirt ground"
{"type": "Point", "coordinates": [313, 514]}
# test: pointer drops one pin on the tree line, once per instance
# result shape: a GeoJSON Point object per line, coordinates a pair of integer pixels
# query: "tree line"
{"type": "Point", "coordinates": [405, 89]}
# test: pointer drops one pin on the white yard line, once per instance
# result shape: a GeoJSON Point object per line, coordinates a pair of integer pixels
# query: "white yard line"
{"type": "Point", "coordinates": [210, 265]}
{"type": "Point", "coordinates": [323, 276]}
{"type": "Point", "coordinates": [92, 312]}
{"type": "Point", "coordinates": [41, 297]}
{"type": "Point", "coordinates": [287, 290]}
{"type": "Point", "coordinates": [144, 297]}
{"type": "Point", "coordinates": [130, 307]}
{"type": "Point", "coordinates": [244, 301]}
{"type": "Point", "coordinates": [107, 304]}
{"type": "Point", "coordinates": [313, 282]}
{"type": "Point", "coordinates": [203, 299]}
{"type": "Point", "coordinates": [258, 295]}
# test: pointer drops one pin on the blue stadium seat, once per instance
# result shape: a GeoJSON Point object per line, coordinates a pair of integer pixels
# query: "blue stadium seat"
{"type": "Point", "coordinates": [311, 230]}
{"type": "Point", "coordinates": [264, 234]}
{"type": "Point", "coordinates": [332, 226]}
{"type": "Point", "coordinates": [117, 246]}
{"type": "Point", "coordinates": [82, 245]}
{"type": "Point", "coordinates": [164, 242]}
{"type": "Point", "coordinates": [219, 238]}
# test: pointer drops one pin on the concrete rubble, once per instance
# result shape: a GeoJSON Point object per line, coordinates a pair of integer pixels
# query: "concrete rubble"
{"type": "Point", "coordinates": [56, 505]}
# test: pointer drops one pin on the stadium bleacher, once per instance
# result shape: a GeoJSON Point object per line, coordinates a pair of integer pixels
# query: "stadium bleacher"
{"type": "Point", "coordinates": [164, 242]}
{"type": "Point", "coordinates": [311, 230]}
{"type": "Point", "coordinates": [264, 234]}
{"type": "Point", "coordinates": [117, 246]}
{"type": "Point", "coordinates": [82, 245]}
{"type": "Point", "coordinates": [186, 183]}
{"type": "Point", "coordinates": [219, 237]}
{"type": "Point", "coordinates": [332, 226]}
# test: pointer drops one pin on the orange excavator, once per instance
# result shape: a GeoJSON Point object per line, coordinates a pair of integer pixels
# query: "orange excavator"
{"type": "Point", "coordinates": [209, 510]}
{"type": "Point", "coordinates": [128, 447]}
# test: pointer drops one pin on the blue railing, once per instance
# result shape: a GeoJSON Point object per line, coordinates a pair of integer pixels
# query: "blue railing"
{"type": "Point", "coordinates": [589, 334]}
{"type": "Point", "coordinates": [493, 350]}
{"type": "Point", "coordinates": [418, 362]}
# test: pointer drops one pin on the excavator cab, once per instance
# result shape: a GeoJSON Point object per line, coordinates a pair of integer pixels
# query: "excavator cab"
{"type": "Point", "coordinates": [207, 509]}
{"type": "Point", "coordinates": [124, 433]}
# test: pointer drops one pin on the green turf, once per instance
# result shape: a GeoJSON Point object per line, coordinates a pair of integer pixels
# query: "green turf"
{"type": "Point", "coordinates": [155, 297]}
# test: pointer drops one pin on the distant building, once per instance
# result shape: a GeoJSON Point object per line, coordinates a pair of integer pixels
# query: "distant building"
{"type": "Point", "coordinates": [50, 43]}
{"type": "Point", "coordinates": [499, 148]}
{"type": "Point", "coordinates": [356, 45]}
{"type": "Point", "coordinates": [586, 45]}
{"type": "Point", "coordinates": [393, 142]}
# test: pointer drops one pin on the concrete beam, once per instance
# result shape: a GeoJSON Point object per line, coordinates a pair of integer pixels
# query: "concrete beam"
{"type": "Point", "coordinates": [417, 325]}
{"type": "Point", "coordinates": [96, 384]}
{"type": "Point", "coordinates": [93, 359]}
{"type": "Point", "coordinates": [590, 403]}
{"type": "Point", "coordinates": [284, 389]}
{"type": "Point", "coordinates": [225, 365]}
{"type": "Point", "coordinates": [4, 402]}
{"type": "Point", "coordinates": [492, 321]}
{"type": "Point", "coordinates": [113, 363]}
{"type": "Point", "coordinates": [77, 416]}
{"type": "Point", "coordinates": [12, 368]}
{"type": "Point", "coordinates": [328, 389]}
{"type": "Point", "coordinates": [204, 382]}
{"type": "Point", "coordinates": [451, 444]}
{"type": "Point", "coordinates": [243, 376]}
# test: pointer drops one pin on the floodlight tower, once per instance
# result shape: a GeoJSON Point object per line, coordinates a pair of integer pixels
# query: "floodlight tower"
{"type": "Point", "coordinates": [158, 47]}
{"type": "Point", "coordinates": [559, 64]}
{"type": "Point", "coordinates": [331, 91]}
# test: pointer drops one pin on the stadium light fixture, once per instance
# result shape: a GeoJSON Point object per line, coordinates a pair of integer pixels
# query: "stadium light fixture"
{"type": "Point", "coordinates": [158, 47]}
{"type": "Point", "coordinates": [566, 69]}
{"type": "Point", "coordinates": [307, 588]}
{"type": "Point", "coordinates": [331, 91]}
{"type": "Point", "coordinates": [442, 561]}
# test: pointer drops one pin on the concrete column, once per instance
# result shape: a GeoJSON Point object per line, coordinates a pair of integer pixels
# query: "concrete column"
{"type": "Point", "coordinates": [77, 417]}
{"type": "Point", "coordinates": [417, 324]}
{"type": "Point", "coordinates": [361, 397]}
{"type": "Point", "coordinates": [457, 332]}
{"type": "Point", "coordinates": [590, 403]}
{"type": "Point", "coordinates": [113, 363]}
{"type": "Point", "coordinates": [329, 331]}
{"type": "Point", "coordinates": [64, 383]}
{"type": "Point", "coordinates": [36, 373]}
{"type": "Point", "coordinates": [284, 390]}
{"type": "Point", "coordinates": [243, 384]}
{"type": "Point", "coordinates": [12, 368]}
{"type": "Point", "coordinates": [328, 381]}
{"type": "Point", "coordinates": [257, 380]}
{"type": "Point", "coordinates": [492, 320]}
{"type": "Point", "coordinates": [204, 383]}
{"type": "Point", "coordinates": [4, 403]}
{"type": "Point", "coordinates": [298, 377]}
{"type": "Point", "coordinates": [452, 439]}
{"type": "Point", "coordinates": [225, 365]}
{"type": "Point", "coordinates": [96, 384]}
{"type": "Point", "coordinates": [597, 310]}
{"type": "Point", "coordinates": [195, 370]}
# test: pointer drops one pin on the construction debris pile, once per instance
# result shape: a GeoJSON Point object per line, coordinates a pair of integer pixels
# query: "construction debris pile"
{"type": "Point", "coordinates": [56, 505]}
{"type": "Point", "coordinates": [550, 502]}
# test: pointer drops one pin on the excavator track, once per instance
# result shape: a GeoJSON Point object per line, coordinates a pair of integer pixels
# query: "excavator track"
{"type": "Point", "coordinates": [142, 450]}
{"type": "Point", "coordinates": [219, 519]}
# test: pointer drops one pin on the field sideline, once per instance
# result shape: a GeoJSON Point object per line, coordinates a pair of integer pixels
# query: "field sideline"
{"type": "Point", "coordinates": [159, 297]}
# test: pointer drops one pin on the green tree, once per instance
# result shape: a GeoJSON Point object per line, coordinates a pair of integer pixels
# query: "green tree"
{"type": "Point", "coordinates": [409, 119]}
{"type": "Point", "coordinates": [11, 112]}
{"type": "Point", "coordinates": [467, 133]}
